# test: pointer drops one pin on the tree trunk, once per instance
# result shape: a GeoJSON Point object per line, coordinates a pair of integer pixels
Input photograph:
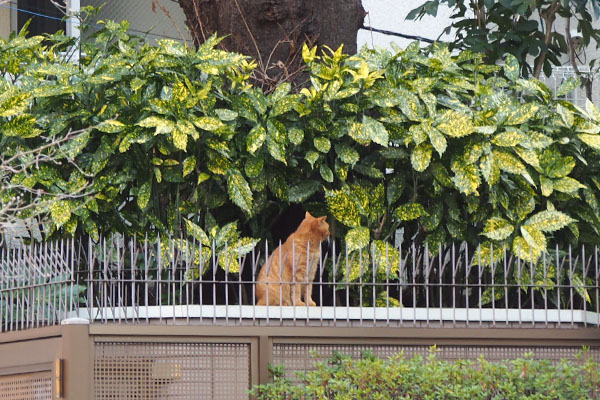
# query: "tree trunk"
{"type": "Point", "coordinates": [273, 31]}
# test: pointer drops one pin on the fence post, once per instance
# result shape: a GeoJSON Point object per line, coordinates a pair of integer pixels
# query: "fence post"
{"type": "Point", "coordinates": [77, 362]}
{"type": "Point", "coordinates": [265, 357]}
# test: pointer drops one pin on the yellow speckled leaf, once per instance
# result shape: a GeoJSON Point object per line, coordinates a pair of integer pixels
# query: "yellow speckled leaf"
{"type": "Point", "coordinates": [144, 193]}
{"type": "Point", "coordinates": [239, 190]}
{"type": "Point", "coordinates": [421, 157]}
{"type": "Point", "coordinates": [343, 207]}
{"type": "Point", "coordinates": [497, 228]}
{"type": "Point", "coordinates": [524, 251]}
{"type": "Point", "coordinates": [549, 221]}
{"type": "Point", "coordinates": [188, 165]}
{"type": "Point", "coordinates": [455, 124]}
{"type": "Point", "coordinates": [357, 238]}
{"type": "Point", "coordinates": [410, 211]}
{"type": "Point", "coordinates": [522, 114]}
{"type": "Point", "coordinates": [466, 177]}
{"type": "Point", "coordinates": [179, 139]}
{"type": "Point", "coordinates": [60, 212]}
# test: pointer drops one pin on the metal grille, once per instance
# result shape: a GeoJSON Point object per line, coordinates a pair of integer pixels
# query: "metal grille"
{"type": "Point", "coordinates": [37, 285]}
{"type": "Point", "coordinates": [144, 19]}
{"type": "Point", "coordinates": [174, 280]}
{"type": "Point", "coordinates": [32, 386]}
{"type": "Point", "coordinates": [302, 357]}
{"type": "Point", "coordinates": [577, 96]}
{"type": "Point", "coordinates": [171, 371]}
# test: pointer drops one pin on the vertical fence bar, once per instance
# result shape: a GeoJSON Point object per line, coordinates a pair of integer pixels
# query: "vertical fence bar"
{"type": "Point", "coordinates": [571, 280]}
{"type": "Point", "coordinates": [558, 283]}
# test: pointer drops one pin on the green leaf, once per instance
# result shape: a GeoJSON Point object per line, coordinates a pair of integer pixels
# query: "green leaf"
{"type": "Point", "coordinates": [163, 126]}
{"type": "Point", "coordinates": [255, 138]}
{"type": "Point", "coordinates": [421, 157]}
{"type": "Point", "coordinates": [522, 114]}
{"type": "Point", "coordinates": [548, 221]}
{"type": "Point", "coordinates": [359, 133]}
{"type": "Point", "coordinates": [303, 190]}
{"type": "Point", "coordinates": [239, 190]}
{"type": "Point", "coordinates": [326, 173]}
{"type": "Point", "coordinates": [110, 126]}
{"type": "Point", "coordinates": [343, 207]}
{"type": "Point", "coordinates": [180, 139]}
{"type": "Point", "coordinates": [226, 114]}
{"type": "Point", "coordinates": [322, 144]}
{"type": "Point", "coordinates": [409, 104]}
{"type": "Point", "coordinates": [546, 185]}
{"type": "Point", "coordinates": [567, 86]}
{"type": "Point", "coordinates": [511, 164]}
{"type": "Point", "coordinates": [511, 67]}
{"type": "Point", "coordinates": [210, 124]}
{"type": "Point", "coordinates": [296, 136]}
{"type": "Point", "coordinates": [144, 193]}
{"type": "Point", "coordinates": [580, 287]}
{"type": "Point", "coordinates": [510, 137]}
{"type": "Point", "coordinates": [566, 115]}
{"type": "Point", "coordinates": [375, 131]}
{"type": "Point", "coordinates": [410, 211]}
{"type": "Point", "coordinates": [534, 237]}
{"type": "Point", "coordinates": [591, 140]}
{"type": "Point", "coordinates": [254, 166]}
{"type": "Point", "coordinates": [196, 232]}
{"type": "Point", "coordinates": [497, 228]}
{"type": "Point", "coordinates": [347, 154]}
{"type": "Point", "coordinates": [487, 254]}
{"type": "Point", "coordinates": [466, 177]}
{"type": "Point", "coordinates": [455, 124]}
{"type": "Point", "coordinates": [276, 148]}
{"type": "Point", "coordinates": [438, 141]}
{"type": "Point", "coordinates": [278, 186]}
{"type": "Point", "coordinates": [60, 211]}
{"type": "Point", "coordinates": [189, 164]}
{"type": "Point", "coordinates": [357, 238]}
{"type": "Point", "coordinates": [555, 165]}
{"type": "Point", "coordinates": [567, 185]}
{"type": "Point", "coordinates": [13, 102]}
{"type": "Point", "coordinates": [311, 157]}
{"type": "Point", "coordinates": [524, 251]}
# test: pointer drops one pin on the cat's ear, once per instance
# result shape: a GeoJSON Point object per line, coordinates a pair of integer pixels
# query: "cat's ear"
{"type": "Point", "coordinates": [322, 219]}
{"type": "Point", "coordinates": [307, 215]}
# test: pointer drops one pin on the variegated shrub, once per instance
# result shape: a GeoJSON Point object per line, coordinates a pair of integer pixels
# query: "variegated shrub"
{"type": "Point", "coordinates": [440, 148]}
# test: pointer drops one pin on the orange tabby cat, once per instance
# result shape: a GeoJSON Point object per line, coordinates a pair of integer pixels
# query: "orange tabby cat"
{"type": "Point", "coordinates": [288, 273]}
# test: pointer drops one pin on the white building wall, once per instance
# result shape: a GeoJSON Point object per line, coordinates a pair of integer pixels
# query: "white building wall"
{"type": "Point", "coordinates": [390, 15]}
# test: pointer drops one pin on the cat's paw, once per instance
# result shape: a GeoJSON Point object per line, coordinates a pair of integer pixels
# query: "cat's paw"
{"type": "Point", "coordinates": [300, 303]}
{"type": "Point", "coordinates": [311, 303]}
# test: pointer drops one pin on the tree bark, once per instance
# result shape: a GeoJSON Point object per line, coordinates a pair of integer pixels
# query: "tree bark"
{"type": "Point", "coordinates": [273, 31]}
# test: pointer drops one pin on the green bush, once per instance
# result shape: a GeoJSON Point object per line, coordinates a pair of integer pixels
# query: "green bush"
{"type": "Point", "coordinates": [429, 378]}
{"type": "Point", "coordinates": [417, 145]}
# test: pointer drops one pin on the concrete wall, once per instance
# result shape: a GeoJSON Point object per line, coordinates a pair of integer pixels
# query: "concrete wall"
{"type": "Point", "coordinates": [4, 22]}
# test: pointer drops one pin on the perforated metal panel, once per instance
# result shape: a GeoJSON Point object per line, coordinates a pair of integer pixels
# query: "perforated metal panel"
{"type": "Point", "coordinates": [302, 357]}
{"type": "Point", "coordinates": [171, 371]}
{"type": "Point", "coordinates": [32, 386]}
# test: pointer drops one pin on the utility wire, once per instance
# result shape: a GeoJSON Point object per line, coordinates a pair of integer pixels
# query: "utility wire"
{"type": "Point", "coordinates": [30, 12]}
{"type": "Point", "coordinates": [402, 35]}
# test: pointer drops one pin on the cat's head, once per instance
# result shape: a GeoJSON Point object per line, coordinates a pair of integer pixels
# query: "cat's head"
{"type": "Point", "coordinates": [319, 228]}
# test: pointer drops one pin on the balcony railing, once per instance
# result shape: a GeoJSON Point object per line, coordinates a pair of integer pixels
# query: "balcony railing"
{"type": "Point", "coordinates": [171, 281]}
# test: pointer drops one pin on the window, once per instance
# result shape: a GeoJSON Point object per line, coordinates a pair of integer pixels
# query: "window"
{"type": "Point", "coordinates": [45, 16]}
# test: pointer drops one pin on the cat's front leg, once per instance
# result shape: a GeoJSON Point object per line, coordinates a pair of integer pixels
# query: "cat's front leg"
{"type": "Point", "coordinates": [308, 295]}
{"type": "Point", "coordinates": [298, 295]}
{"type": "Point", "coordinates": [286, 298]}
